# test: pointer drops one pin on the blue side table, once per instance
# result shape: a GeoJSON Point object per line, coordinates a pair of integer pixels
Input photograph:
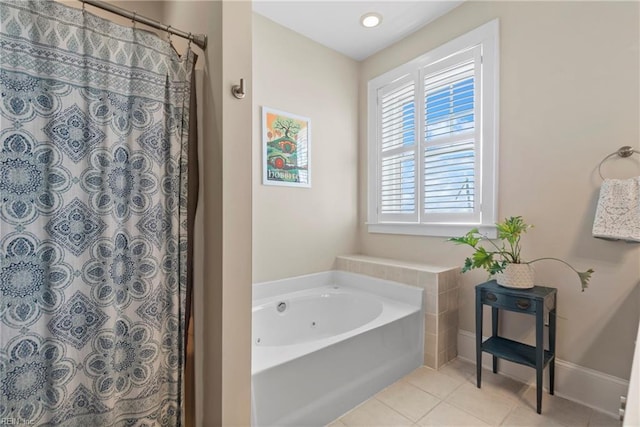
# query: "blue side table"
{"type": "Point", "coordinates": [534, 301]}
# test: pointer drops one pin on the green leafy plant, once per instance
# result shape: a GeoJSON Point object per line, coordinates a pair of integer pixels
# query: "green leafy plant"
{"type": "Point", "coordinates": [505, 250]}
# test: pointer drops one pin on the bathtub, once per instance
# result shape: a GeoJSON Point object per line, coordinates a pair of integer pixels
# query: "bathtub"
{"type": "Point", "coordinates": [325, 342]}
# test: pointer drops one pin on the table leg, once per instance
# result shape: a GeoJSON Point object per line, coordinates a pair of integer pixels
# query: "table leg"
{"type": "Point", "coordinates": [539, 354]}
{"type": "Point", "coordinates": [478, 337]}
{"type": "Point", "coordinates": [494, 333]}
{"type": "Point", "coordinates": [552, 348]}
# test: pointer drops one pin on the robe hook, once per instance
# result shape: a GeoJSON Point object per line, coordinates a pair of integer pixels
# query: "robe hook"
{"type": "Point", "coordinates": [238, 90]}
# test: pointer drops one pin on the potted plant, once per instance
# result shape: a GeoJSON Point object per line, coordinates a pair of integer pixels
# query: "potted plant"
{"type": "Point", "coordinates": [503, 259]}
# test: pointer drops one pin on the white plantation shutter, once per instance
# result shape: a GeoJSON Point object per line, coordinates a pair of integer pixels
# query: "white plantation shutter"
{"type": "Point", "coordinates": [433, 140]}
{"type": "Point", "coordinates": [449, 97]}
{"type": "Point", "coordinates": [397, 173]}
{"type": "Point", "coordinates": [449, 178]}
{"type": "Point", "coordinates": [451, 140]}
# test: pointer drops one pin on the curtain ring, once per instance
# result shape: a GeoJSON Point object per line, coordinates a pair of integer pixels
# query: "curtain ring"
{"type": "Point", "coordinates": [84, 6]}
{"type": "Point", "coordinates": [190, 39]}
{"type": "Point", "coordinates": [133, 20]}
{"type": "Point", "coordinates": [168, 30]}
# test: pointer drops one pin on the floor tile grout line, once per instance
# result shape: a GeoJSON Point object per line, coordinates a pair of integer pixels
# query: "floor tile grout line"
{"type": "Point", "coordinates": [414, 386]}
{"type": "Point", "coordinates": [403, 379]}
{"type": "Point", "coordinates": [396, 411]}
{"type": "Point", "coordinates": [507, 416]}
{"type": "Point", "coordinates": [448, 394]}
{"type": "Point", "coordinates": [469, 413]}
{"type": "Point", "coordinates": [431, 410]}
{"type": "Point", "coordinates": [463, 410]}
{"type": "Point", "coordinates": [469, 375]}
{"type": "Point", "coordinates": [474, 415]}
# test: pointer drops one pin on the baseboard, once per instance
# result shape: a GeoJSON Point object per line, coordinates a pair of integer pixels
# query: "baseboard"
{"type": "Point", "coordinates": [573, 382]}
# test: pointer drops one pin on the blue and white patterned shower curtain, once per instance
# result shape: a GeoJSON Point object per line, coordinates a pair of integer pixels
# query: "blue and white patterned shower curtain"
{"type": "Point", "coordinates": [93, 151]}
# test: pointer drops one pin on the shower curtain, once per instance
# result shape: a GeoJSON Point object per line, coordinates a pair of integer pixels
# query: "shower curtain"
{"type": "Point", "coordinates": [94, 129]}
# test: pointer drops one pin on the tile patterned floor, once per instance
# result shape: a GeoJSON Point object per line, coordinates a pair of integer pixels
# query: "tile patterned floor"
{"type": "Point", "coordinates": [449, 397]}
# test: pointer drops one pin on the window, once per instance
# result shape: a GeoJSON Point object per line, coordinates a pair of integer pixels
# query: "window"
{"type": "Point", "coordinates": [433, 140]}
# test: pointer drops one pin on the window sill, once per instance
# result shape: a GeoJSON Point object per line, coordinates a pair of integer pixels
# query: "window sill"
{"type": "Point", "coordinates": [435, 230]}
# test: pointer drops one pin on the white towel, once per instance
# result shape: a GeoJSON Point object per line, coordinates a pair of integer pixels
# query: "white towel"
{"type": "Point", "coordinates": [618, 211]}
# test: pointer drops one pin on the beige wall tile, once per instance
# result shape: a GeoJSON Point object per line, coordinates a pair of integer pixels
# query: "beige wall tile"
{"type": "Point", "coordinates": [449, 280]}
{"type": "Point", "coordinates": [355, 266]}
{"type": "Point", "coordinates": [443, 324]}
{"type": "Point", "coordinates": [445, 321]}
{"type": "Point", "coordinates": [450, 354]}
{"type": "Point", "coordinates": [441, 358]}
{"type": "Point", "coordinates": [430, 344]}
{"type": "Point", "coordinates": [341, 264]}
{"type": "Point", "coordinates": [428, 281]}
{"type": "Point", "coordinates": [452, 318]}
{"type": "Point", "coordinates": [379, 271]}
{"type": "Point", "coordinates": [368, 268]}
{"type": "Point", "coordinates": [430, 303]}
{"type": "Point", "coordinates": [393, 273]}
{"type": "Point", "coordinates": [452, 299]}
{"type": "Point", "coordinates": [442, 302]}
{"type": "Point", "coordinates": [430, 324]}
{"type": "Point", "coordinates": [430, 360]}
{"type": "Point", "coordinates": [451, 337]}
{"type": "Point", "coordinates": [442, 344]}
{"type": "Point", "coordinates": [409, 276]}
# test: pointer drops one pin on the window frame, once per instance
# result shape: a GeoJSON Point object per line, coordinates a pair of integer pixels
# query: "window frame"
{"type": "Point", "coordinates": [487, 37]}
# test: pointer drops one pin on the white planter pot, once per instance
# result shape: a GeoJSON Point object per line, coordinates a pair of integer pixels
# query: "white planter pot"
{"type": "Point", "coordinates": [518, 276]}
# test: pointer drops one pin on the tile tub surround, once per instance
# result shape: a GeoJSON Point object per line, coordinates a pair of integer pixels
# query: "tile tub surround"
{"type": "Point", "coordinates": [441, 289]}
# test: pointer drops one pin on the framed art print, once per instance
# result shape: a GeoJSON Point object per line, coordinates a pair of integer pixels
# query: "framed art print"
{"type": "Point", "coordinates": [286, 149]}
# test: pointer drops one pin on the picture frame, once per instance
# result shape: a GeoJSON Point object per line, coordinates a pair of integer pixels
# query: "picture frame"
{"type": "Point", "coordinates": [286, 149]}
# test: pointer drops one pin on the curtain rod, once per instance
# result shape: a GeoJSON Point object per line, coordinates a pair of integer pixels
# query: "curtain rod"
{"type": "Point", "coordinates": [199, 39]}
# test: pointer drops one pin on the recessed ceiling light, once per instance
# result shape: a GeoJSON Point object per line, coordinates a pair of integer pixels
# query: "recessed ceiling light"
{"type": "Point", "coordinates": [371, 19]}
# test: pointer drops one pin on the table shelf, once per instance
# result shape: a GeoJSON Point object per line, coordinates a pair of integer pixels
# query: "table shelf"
{"type": "Point", "coordinates": [514, 351]}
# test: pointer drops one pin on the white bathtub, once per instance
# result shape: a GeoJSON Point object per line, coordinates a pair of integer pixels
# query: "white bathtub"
{"type": "Point", "coordinates": [337, 339]}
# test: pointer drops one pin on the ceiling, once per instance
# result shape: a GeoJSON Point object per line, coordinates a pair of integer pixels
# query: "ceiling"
{"type": "Point", "coordinates": [336, 24]}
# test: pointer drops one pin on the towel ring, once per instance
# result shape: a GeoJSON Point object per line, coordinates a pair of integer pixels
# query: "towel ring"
{"type": "Point", "coordinates": [625, 151]}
